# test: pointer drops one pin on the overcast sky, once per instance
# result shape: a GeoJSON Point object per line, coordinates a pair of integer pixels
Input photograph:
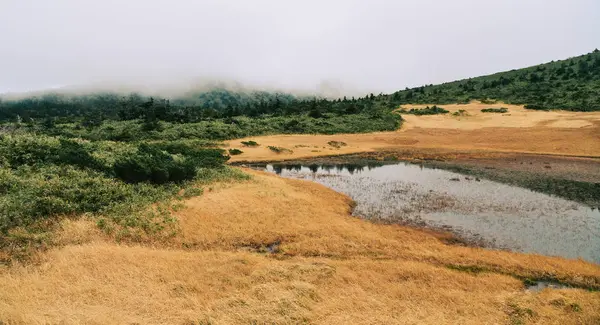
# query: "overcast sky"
{"type": "Point", "coordinates": [374, 45]}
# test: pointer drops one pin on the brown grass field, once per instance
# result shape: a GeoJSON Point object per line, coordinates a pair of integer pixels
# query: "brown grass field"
{"type": "Point", "coordinates": [282, 251]}
{"type": "Point", "coordinates": [519, 130]}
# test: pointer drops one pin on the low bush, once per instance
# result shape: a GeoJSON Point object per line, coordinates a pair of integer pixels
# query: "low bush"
{"type": "Point", "coordinates": [39, 150]}
{"type": "Point", "coordinates": [201, 157]}
{"type": "Point", "coordinates": [495, 110]}
{"type": "Point", "coordinates": [488, 101]}
{"type": "Point", "coordinates": [250, 143]}
{"type": "Point", "coordinates": [150, 164]}
{"type": "Point", "coordinates": [33, 194]}
{"type": "Point", "coordinates": [43, 178]}
{"type": "Point", "coordinates": [235, 152]}
{"type": "Point", "coordinates": [536, 106]}
{"type": "Point", "coordinates": [426, 111]}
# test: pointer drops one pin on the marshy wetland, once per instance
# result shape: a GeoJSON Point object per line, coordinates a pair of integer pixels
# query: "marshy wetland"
{"type": "Point", "coordinates": [481, 211]}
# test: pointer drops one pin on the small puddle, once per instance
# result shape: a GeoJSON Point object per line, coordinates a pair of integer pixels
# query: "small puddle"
{"type": "Point", "coordinates": [479, 210]}
{"type": "Point", "coordinates": [541, 285]}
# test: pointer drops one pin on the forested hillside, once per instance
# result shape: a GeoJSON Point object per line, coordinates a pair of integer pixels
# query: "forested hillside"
{"type": "Point", "coordinates": [571, 84]}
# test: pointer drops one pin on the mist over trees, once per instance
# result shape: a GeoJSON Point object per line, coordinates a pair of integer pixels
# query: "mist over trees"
{"type": "Point", "coordinates": [572, 84]}
{"type": "Point", "coordinates": [212, 104]}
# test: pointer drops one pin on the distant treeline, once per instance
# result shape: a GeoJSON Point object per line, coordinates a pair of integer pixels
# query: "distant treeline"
{"type": "Point", "coordinates": [213, 104]}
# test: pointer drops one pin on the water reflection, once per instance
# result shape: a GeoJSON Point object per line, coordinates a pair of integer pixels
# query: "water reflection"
{"type": "Point", "coordinates": [504, 215]}
{"type": "Point", "coordinates": [349, 168]}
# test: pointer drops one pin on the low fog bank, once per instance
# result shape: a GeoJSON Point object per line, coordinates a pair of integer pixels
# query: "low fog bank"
{"type": "Point", "coordinates": [357, 47]}
{"type": "Point", "coordinates": [189, 87]}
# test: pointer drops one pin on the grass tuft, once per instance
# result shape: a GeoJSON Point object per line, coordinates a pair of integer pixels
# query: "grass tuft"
{"type": "Point", "coordinates": [279, 150]}
{"type": "Point", "coordinates": [495, 110]}
{"type": "Point", "coordinates": [337, 144]}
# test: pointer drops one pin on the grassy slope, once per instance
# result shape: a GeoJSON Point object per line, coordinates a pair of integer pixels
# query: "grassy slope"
{"type": "Point", "coordinates": [325, 268]}
{"type": "Point", "coordinates": [571, 84]}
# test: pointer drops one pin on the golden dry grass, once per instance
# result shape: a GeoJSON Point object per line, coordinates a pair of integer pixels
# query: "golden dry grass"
{"type": "Point", "coordinates": [329, 268]}
{"type": "Point", "coordinates": [516, 117]}
{"type": "Point", "coordinates": [519, 130]}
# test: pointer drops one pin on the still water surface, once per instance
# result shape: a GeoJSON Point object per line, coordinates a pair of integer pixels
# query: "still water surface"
{"type": "Point", "coordinates": [500, 215]}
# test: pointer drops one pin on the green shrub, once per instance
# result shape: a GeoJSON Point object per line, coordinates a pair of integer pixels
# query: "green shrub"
{"type": "Point", "coordinates": [235, 152]}
{"type": "Point", "coordinates": [426, 111]}
{"type": "Point", "coordinates": [31, 194]}
{"type": "Point", "coordinates": [150, 164]}
{"type": "Point", "coordinates": [201, 157]}
{"type": "Point", "coordinates": [488, 101]}
{"type": "Point", "coordinates": [28, 149]}
{"type": "Point", "coordinates": [38, 150]}
{"type": "Point", "coordinates": [129, 185]}
{"type": "Point", "coordinates": [315, 113]}
{"type": "Point", "coordinates": [250, 143]}
{"type": "Point", "coordinates": [294, 126]}
{"type": "Point", "coordinates": [495, 110]}
{"type": "Point", "coordinates": [536, 107]}
{"type": "Point", "coordinates": [167, 162]}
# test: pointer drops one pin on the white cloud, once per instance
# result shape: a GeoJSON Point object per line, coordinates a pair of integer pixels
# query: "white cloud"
{"type": "Point", "coordinates": [368, 45]}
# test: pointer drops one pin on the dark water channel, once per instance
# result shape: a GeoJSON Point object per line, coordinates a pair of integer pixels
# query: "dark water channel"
{"type": "Point", "coordinates": [499, 215]}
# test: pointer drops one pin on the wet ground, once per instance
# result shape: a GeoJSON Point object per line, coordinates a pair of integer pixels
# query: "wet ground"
{"type": "Point", "coordinates": [479, 210]}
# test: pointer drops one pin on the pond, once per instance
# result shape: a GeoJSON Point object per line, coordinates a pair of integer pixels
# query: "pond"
{"type": "Point", "coordinates": [478, 210]}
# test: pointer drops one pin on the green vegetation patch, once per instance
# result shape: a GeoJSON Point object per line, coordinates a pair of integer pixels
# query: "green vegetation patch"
{"type": "Point", "coordinates": [488, 101]}
{"type": "Point", "coordinates": [433, 110]}
{"type": "Point", "coordinates": [235, 152]}
{"type": "Point", "coordinates": [129, 188]}
{"type": "Point", "coordinates": [250, 143]}
{"type": "Point", "coordinates": [495, 110]}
